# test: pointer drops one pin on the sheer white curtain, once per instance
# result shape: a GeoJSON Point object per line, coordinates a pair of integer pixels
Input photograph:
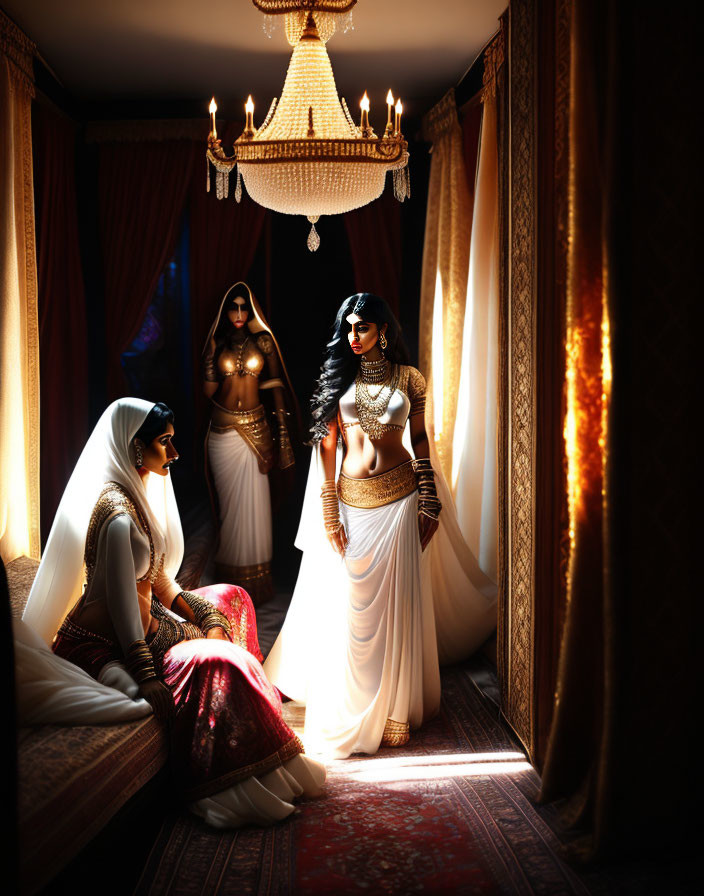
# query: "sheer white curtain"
{"type": "Point", "coordinates": [474, 455]}
{"type": "Point", "coordinates": [444, 278]}
{"type": "Point", "coordinates": [19, 336]}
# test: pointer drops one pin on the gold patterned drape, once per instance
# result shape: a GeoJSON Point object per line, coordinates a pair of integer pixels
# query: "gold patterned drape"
{"type": "Point", "coordinates": [444, 279]}
{"type": "Point", "coordinates": [19, 336]}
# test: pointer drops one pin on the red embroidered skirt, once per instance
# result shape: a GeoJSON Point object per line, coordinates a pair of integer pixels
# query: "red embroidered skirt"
{"type": "Point", "coordinates": [227, 725]}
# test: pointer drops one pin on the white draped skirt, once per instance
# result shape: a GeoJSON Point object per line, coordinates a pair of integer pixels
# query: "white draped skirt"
{"type": "Point", "coordinates": [243, 497]}
{"type": "Point", "coordinates": [364, 635]}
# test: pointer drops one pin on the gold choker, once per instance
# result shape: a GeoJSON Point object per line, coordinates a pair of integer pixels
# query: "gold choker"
{"type": "Point", "coordinates": [374, 372]}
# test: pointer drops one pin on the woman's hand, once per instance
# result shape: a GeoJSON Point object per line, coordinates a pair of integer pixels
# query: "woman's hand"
{"type": "Point", "coordinates": [338, 540]}
{"type": "Point", "coordinates": [217, 634]}
{"type": "Point", "coordinates": [160, 697]}
{"type": "Point", "coordinates": [427, 527]}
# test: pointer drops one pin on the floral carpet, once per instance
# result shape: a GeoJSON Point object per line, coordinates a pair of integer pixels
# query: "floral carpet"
{"type": "Point", "coordinates": [453, 812]}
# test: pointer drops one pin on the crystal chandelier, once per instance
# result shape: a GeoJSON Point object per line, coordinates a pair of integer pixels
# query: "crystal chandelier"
{"type": "Point", "coordinates": [309, 157]}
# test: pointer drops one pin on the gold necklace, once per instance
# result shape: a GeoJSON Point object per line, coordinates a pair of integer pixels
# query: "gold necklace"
{"type": "Point", "coordinates": [374, 371]}
{"type": "Point", "coordinates": [370, 408]}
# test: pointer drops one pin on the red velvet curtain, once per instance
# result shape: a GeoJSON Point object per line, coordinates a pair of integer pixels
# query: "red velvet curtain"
{"type": "Point", "coordinates": [374, 232]}
{"type": "Point", "coordinates": [142, 190]}
{"type": "Point", "coordinates": [62, 313]}
{"type": "Point", "coordinates": [224, 236]}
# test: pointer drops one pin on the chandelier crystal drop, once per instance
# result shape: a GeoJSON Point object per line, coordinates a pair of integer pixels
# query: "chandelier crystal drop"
{"type": "Point", "coordinates": [309, 157]}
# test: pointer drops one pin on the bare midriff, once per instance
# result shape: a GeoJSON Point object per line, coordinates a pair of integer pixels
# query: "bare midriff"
{"type": "Point", "coordinates": [364, 457]}
{"type": "Point", "coordinates": [95, 616]}
{"type": "Point", "coordinates": [236, 393]}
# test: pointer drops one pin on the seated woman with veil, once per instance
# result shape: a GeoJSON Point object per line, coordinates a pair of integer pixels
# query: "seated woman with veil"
{"type": "Point", "coordinates": [105, 596]}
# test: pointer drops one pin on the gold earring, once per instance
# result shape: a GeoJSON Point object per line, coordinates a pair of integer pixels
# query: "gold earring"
{"type": "Point", "coordinates": [382, 341]}
{"type": "Point", "coordinates": [138, 456]}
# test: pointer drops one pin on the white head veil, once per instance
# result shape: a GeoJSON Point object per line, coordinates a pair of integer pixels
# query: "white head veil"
{"type": "Point", "coordinates": [107, 457]}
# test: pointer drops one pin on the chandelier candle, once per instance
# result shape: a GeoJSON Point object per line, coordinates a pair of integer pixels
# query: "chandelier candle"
{"type": "Point", "coordinates": [399, 110]}
{"type": "Point", "coordinates": [213, 109]}
{"type": "Point", "coordinates": [308, 157]}
{"type": "Point", "coordinates": [390, 104]}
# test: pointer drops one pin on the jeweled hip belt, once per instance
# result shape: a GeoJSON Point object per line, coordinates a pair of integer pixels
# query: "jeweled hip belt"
{"type": "Point", "coordinates": [241, 418]}
{"type": "Point", "coordinates": [375, 491]}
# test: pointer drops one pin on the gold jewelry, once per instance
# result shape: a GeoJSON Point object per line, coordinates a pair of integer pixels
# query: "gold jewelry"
{"type": "Point", "coordinates": [374, 372]}
{"type": "Point", "coordinates": [377, 491]}
{"type": "Point", "coordinates": [382, 341]}
{"type": "Point", "coordinates": [138, 456]}
{"type": "Point", "coordinates": [428, 501]}
{"type": "Point", "coordinates": [286, 458]}
{"type": "Point", "coordinates": [331, 507]}
{"type": "Point", "coordinates": [396, 734]}
{"type": "Point", "coordinates": [370, 408]}
{"type": "Point", "coordinates": [139, 662]}
{"type": "Point", "coordinates": [205, 614]}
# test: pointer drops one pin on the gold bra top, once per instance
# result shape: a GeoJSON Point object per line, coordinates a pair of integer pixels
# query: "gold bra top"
{"type": "Point", "coordinates": [245, 358]}
{"type": "Point", "coordinates": [112, 501]}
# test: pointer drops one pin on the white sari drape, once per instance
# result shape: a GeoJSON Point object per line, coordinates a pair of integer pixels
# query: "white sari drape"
{"type": "Point", "coordinates": [364, 635]}
{"type": "Point", "coordinates": [243, 498]}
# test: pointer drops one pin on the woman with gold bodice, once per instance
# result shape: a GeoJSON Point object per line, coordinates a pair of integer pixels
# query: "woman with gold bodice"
{"type": "Point", "coordinates": [365, 632]}
{"type": "Point", "coordinates": [241, 365]}
{"type": "Point", "coordinates": [106, 599]}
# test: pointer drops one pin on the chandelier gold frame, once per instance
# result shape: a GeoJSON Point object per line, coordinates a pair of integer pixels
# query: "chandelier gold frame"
{"type": "Point", "coordinates": [311, 173]}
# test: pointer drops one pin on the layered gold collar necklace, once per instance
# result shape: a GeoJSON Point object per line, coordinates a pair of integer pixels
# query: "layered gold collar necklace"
{"type": "Point", "coordinates": [370, 407]}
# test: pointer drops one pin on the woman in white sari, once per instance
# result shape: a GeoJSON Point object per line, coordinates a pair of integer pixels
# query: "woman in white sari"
{"type": "Point", "coordinates": [243, 371]}
{"type": "Point", "coordinates": [387, 587]}
{"type": "Point", "coordinates": [105, 598]}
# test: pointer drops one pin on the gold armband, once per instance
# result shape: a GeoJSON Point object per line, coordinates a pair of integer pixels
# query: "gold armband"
{"type": "Point", "coordinates": [139, 662]}
{"type": "Point", "coordinates": [331, 507]}
{"type": "Point", "coordinates": [277, 382]}
{"type": "Point", "coordinates": [206, 616]}
{"type": "Point", "coordinates": [210, 374]}
{"type": "Point", "coordinates": [428, 501]}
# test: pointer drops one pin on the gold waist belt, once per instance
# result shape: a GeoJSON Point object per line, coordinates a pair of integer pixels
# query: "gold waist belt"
{"type": "Point", "coordinates": [241, 418]}
{"type": "Point", "coordinates": [253, 427]}
{"type": "Point", "coordinates": [377, 490]}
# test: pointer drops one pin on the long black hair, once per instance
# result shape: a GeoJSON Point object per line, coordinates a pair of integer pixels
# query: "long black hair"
{"type": "Point", "coordinates": [341, 364]}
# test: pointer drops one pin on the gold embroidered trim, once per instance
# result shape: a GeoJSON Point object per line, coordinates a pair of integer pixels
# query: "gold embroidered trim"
{"type": "Point", "coordinates": [112, 501]}
{"type": "Point", "coordinates": [396, 734]}
{"type": "Point", "coordinates": [290, 749]}
{"type": "Point", "coordinates": [376, 491]}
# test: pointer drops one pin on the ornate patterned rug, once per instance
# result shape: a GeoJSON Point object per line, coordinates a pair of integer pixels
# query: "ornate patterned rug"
{"type": "Point", "coordinates": [453, 812]}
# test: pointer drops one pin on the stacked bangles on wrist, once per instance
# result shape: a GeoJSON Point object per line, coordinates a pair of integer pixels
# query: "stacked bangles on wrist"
{"type": "Point", "coordinates": [139, 662]}
{"type": "Point", "coordinates": [286, 458]}
{"type": "Point", "coordinates": [331, 506]}
{"type": "Point", "coordinates": [428, 501]}
{"type": "Point", "coordinates": [206, 616]}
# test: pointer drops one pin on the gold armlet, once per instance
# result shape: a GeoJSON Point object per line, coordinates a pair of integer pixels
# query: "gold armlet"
{"type": "Point", "coordinates": [331, 506]}
{"type": "Point", "coordinates": [139, 662]}
{"type": "Point", "coordinates": [210, 374]}
{"type": "Point", "coordinates": [272, 384]}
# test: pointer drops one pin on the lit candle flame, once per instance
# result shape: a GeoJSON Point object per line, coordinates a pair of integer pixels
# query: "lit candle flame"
{"type": "Point", "coordinates": [390, 98]}
{"type": "Point", "coordinates": [213, 107]}
{"type": "Point", "coordinates": [249, 105]}
{"type": "Point", "coordinates": [399, 107]}
{"type": "Point", "coordinates": [364, 102]}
